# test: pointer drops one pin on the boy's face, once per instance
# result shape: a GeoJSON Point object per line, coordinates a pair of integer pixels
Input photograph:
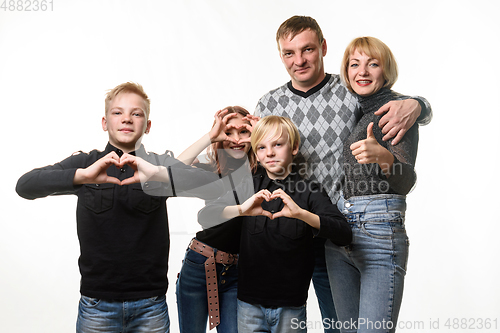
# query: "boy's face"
{"type": "Point", "coordinates": [126, 121]}
{"type": "Point", "coordinates": [276, 155]}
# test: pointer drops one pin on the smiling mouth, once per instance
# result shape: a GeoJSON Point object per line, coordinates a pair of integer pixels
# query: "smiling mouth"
{"type": "Point", "coordinates": [237, 147]}
{"type": "Point", "coordinates": [363, 82]}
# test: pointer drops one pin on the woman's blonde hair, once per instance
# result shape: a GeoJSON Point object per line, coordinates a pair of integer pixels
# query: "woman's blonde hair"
{"type": "Point", "coordinates": [373, 48]}
{"type": "Point", "coordinates": [275, 126]}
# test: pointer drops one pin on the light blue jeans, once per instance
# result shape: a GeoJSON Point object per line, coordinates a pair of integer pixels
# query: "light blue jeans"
{"type": "Point", "coordinates": [256, 318]}
{"type": "Point", "coordinates": [136, 316]}
{"type": "Point", "coordinates": [191, 291]}
{"type": "Point", "coordinates": [367, 277]}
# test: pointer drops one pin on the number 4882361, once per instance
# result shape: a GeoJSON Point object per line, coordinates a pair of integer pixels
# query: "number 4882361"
{"type": "Point", "coordinates": [27, 5]}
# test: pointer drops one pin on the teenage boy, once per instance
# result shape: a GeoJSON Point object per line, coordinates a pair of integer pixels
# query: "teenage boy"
{"type": "Point", "coordinates": [279, 222]}
{"type": "Point", "coordinates": [325, 113]}
{"type": "Point", "coordinates": [123, 232]}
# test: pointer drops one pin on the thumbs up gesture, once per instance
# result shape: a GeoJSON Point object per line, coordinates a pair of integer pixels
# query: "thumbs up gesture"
{"type": "Point", "coordinates": [370, 151]}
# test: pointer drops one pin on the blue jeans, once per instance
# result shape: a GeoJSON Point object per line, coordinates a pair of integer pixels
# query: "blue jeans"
{"type": "Point", "coordinates": [322, 288]}
{"type": "Point", "coordinates": [191, 291]}
{"type": "Point", "coordinates": [256, 318]}
{"type": "Point", "coordinates": [367, 277]}
{"type": "Point", "coordinates": [136, 316]}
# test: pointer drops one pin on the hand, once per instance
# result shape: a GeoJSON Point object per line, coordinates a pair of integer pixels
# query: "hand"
{"type": "Point", "coordinates": [290, 208]}
{"type": "Point", "coordinates": [218, 131]}
{"type": "Point", "coordinates": [400, 117]}
{"type": "Point", "coordinates": [97, 172]}
{"type": "Point", "coordinates": [143, 170]}
{"type": "Point", "coordinates": [253, 205]}
{"type": "Point", "coordinates": [370, 151]}
{"type": "Point", "coordinates": [252, 120]}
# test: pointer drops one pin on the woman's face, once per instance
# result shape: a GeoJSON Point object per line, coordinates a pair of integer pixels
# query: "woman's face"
{"type": "Point", "coordinates": [234, 150]}
{"type": "Point", "coordinates": [366, 74]}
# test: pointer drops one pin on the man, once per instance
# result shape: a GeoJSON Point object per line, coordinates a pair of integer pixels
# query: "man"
{"type": "Point", "coordinates": [325, 113]}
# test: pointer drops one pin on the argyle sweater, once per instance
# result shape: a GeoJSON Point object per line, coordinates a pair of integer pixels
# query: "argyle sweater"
{"type": "Point", "coordinates": [325, 117]}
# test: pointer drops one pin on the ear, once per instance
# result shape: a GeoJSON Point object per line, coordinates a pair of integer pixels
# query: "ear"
{"type": "Point", "coordinates": [324, 47]}
{"type": "Point", "coordinates": [295, 150]}
{"type": "Point", "coordinates": [104, 124]}
{"type": "Point", "coordinates": [148, 127]}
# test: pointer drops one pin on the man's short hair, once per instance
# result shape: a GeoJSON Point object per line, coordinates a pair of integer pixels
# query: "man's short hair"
{"type": "Point", "coordinates": [295, 25]}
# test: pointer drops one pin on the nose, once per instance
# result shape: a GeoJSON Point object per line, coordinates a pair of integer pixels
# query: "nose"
{"type": "Point", "coordinates": [269, 152]}
{"type": "Point", "coordinates": [363, 70]}
{"type": "Point", "coordinates": [126, 118]}
{"type": "Point", "coordinates": [300, 59]}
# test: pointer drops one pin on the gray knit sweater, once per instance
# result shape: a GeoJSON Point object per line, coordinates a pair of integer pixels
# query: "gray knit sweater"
{"type": "Point", "coordinates": [368, 179]}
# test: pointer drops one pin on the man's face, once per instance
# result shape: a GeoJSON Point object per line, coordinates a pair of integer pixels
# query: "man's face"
{"type": "Point", "coordinates": [303, 59]}
{"type": "Point", "coordinates": [126, 121]}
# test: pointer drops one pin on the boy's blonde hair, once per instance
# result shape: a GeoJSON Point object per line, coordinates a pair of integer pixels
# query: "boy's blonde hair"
{"type": "Point", "coordinates": [373, 48]}
{"type": "Point", "coordinates": [275, 126]}
{"type": "Point", "coordinates": [127, 87]}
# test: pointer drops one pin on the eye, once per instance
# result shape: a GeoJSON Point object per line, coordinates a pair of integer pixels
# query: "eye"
{"type": "Point", "coordinates": [353, 65]}
{"type": "Point", "coordinates": [373, 64]}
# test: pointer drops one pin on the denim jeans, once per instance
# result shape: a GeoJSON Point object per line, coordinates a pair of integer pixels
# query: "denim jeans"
{"type": "Point", "coordinates": [136, 316]}
{"type": "Point", "coordinates": [367, 277]}
{"type": "Point", "coordinates": [256, 318]}
{"type": "Point", "coordinates": [322, 288]}
{"type": "Point", "coordinates": [191, 291]}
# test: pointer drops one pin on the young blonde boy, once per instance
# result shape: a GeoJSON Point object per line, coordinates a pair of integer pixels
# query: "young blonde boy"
{"type": "Point", "coordinates": [123, 232]}
{"type": "Point", "coordinates": [279, 223]}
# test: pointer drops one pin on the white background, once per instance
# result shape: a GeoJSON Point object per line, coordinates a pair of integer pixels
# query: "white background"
{"type": "Point", "coordinates": [195, 57]}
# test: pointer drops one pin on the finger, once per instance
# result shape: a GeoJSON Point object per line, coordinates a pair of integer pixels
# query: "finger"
{"type": "Point", "coordinates": [276, 215]}
{"type": "Point", "coordinates": [384, 121]}
{"type": "Point", "coordinates": [383, 109]}
{"type": "Point", "coordinates": [266, 214]}
{"type": "Point", "coordinates": [247, 126]}
{"type": "Point", "coordinates": [228, 116]}
{"type": "Point", "coordinates": [397, 139]}
{"type": "Point", "coordinates": [369, 131]}
{"type": "Point", "coordinates": [229, 139]}
{"type": "Point", "coordinates": [129, 181]}
{"type": "Point", "coordinates": [113, 155]}
{"type": "Point", "coordinates": [392, 133]}
{"type": "Point", "coordinates": [113, 180]}
{"type": "Point", "coordinates": [356, 145]}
